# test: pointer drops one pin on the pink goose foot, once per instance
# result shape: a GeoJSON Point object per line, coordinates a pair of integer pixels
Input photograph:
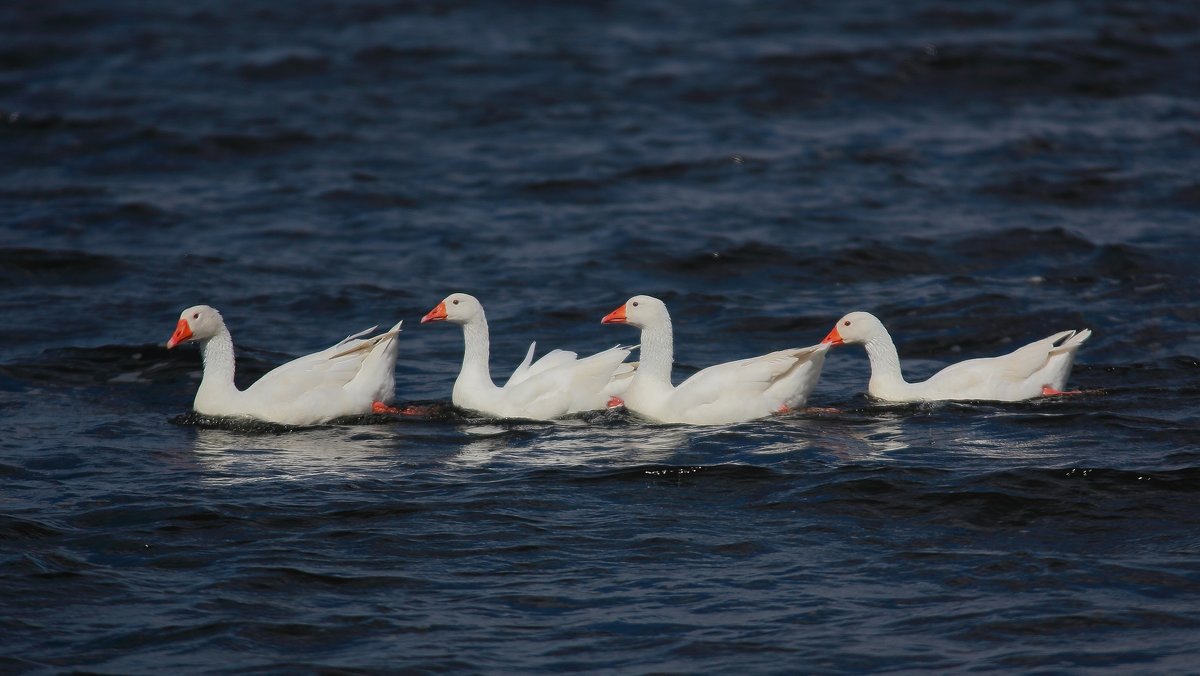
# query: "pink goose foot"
{"type": "Point", "coordinates": [1048, 391]}
{"type": "Point", "coordinates": [614, 402]}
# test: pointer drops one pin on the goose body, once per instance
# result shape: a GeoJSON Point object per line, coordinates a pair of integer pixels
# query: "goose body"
{"type": "Point", "coordinates": [1039, 368]}
{"type": "Point", "coordinates": [557, 384]}
{"type": "Point", "coordinates": [726, 393]}
{"type": "Point", "coordinates": [354, 377]}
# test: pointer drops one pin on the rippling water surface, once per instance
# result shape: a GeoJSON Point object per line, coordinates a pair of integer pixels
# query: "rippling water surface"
{"type": "Point", "coordinates": [977, 175]}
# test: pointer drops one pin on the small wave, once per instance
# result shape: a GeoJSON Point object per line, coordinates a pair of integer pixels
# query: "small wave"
{"type": "Point", "coordinates": [1075, 187]}
{"type": "Point", "coordinates": [1010, 497]}
{"type": "Point", "coordinates": [74, 366]}
{"type": "Point", "coordinates": [41, 193]}
{"type": "Point", "coordinates": [1017, 243]}
{"type": "Point", "coordinates": [368, 199]}
{"type": "Point", "coordinates": [260, 143]}
{"type": "Point", "coordinates": [41, 266]}
{"type": "Point", "coordinates": [277, 66]}
{"type": "Point", "coordinates": [25, 529]}
{"type": "Point", "coordinates": [389, 54]}
{"type": "Point", "coordinates": [675, 474]}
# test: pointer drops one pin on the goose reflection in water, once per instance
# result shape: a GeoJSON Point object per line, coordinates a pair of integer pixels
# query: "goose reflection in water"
{"type": "Point", "coordinates": [853, 437]}
{"type": "Point", "coordinates": [570, 442]}
{"type": "Point", "coordinates": [237, 456]}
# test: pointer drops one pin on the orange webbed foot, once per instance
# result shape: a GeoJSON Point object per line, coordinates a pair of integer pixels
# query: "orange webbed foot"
{"type": "Point", "coordinates": [381, 408]}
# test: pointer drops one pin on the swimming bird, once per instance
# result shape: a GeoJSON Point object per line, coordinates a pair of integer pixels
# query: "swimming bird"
{"type": "Point", "coordinates": [725, 393]}
{"type": "Point", "coordinates": [356, 376]}
{"type": "Point", "coordinates": [557, 384]}
{"type": "Point", "coordinates": [1038, 369]}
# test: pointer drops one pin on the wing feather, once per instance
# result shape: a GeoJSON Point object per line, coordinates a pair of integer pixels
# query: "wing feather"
{"type": "Point", "coordinates": [744, 377]}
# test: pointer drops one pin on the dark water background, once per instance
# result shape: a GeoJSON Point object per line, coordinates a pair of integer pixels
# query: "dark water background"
{"type": "Point", "coordinates": [977, 174]}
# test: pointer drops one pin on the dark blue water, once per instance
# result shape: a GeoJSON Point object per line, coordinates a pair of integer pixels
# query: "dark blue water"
{"type": "Point", "coordinates": [978, 175]}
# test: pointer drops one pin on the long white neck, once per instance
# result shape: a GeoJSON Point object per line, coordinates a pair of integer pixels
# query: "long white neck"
{"type": "Point", "coordinates": [886, 378]}
{"type": "Point", "coordinates": [217, 382]}
{"type": "Point", "coordinates": [657, 353]}
{"type": "Point", "coordinates": [476, 352]}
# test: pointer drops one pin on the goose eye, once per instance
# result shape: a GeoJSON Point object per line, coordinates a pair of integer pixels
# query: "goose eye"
{"type": "Point", "coordinates": [846, 323]}
{"type": "Point", "coordinates": [635, 303]}
{"type": "Point", "coordinates": [454, 302]}
{"type": "Point", "coordinates": [196, 316]}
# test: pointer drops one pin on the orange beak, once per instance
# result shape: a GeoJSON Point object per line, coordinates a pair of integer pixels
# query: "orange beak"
{"type": "Point", "coordinates": [437, 314]}
{"type": "Point", "coordinates": [834, 338]}
{"type": "Point", "coordinates": [182, 333]}
{"type": "Point", "coordinates": [615, 317]}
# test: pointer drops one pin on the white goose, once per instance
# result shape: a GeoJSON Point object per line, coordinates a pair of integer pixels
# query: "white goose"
{"type": "Point", "coordinates": [726, 393]}
{"type": "Point", "coordinates": [354, 377]}
{"type": "Point", "coordinates": [1038, 369]}
{"type": "Point", "coordinates": [557, 384]}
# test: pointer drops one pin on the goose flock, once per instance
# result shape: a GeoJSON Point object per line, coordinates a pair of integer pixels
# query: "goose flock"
{"type": "Point", "coordinates": [356, 376]}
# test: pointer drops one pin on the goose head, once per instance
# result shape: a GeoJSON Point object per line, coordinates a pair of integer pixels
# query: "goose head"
{"type": "Point", "coordinates": [855, 328]}
{"type": "Point", "coordinates": [458, 308]}
{"type": "Point", "coordinates": [639, 311]}
{"type": "Point", "coordinates": [197, 323]}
